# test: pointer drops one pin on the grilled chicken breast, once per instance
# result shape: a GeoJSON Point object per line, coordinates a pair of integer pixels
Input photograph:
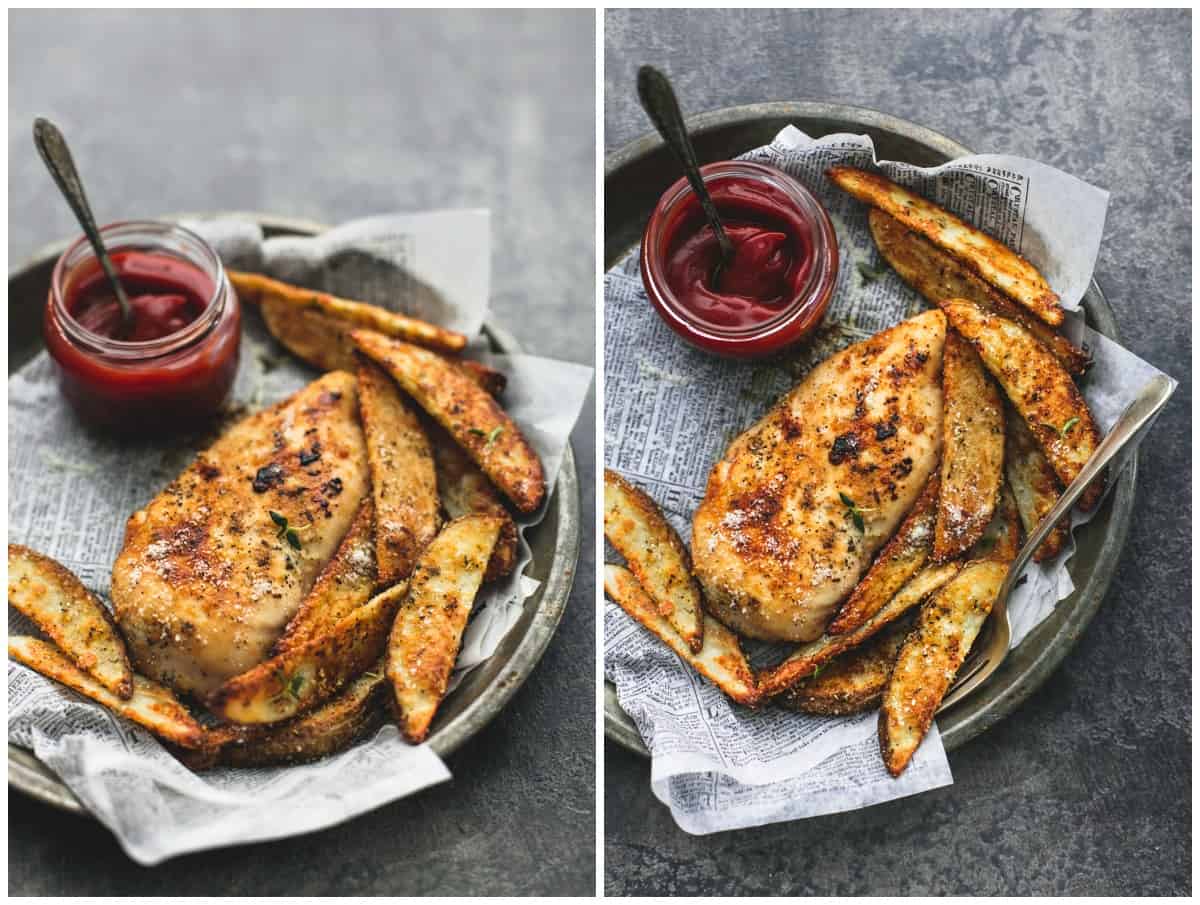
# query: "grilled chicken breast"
{"type": "Point", "coordinates": [207, 578]}
{"type": "Point", "coordinates": [800, 503]}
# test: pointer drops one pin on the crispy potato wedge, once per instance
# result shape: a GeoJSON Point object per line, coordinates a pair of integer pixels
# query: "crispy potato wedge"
{"type": "Point", "coordinates": [720, 659]}
{"type": "Point", "coordinates": [73, 617]}
{"type": "Point", "coordinates": [940, 277]}
{"type": "Point", "coordinates": [428, 631]}
{"type": "Point", "coordinates": [808, 658]}
{"type": "Point", "coordinates": [150, 705]}
{"type": "Point", "coordinates": [853, 682]}
{"type": "Point", "coordinates": [904, 555]}
{"type": "Point", "coordinates": [1040, 390]}
{"type": "Point", "coordinates": [310, 334]}
{"type": "Point", "coordinates": [257, 289]}
{"type": "Point", "coordinates": [347, 582]}
{"type": "Point", "coordinates": [972, 450]}
{"type": "Point", "coordinates": [998, 264]}
{"type": "Point", "coordinates": [403, 482]}
{"type": "Point", "coordinates": [472, 417]}
{"type": "Point", "coordinates": [465, 490]}
{"type": "Point", "coordinates": [354, 713]}
{"type": "Point", "coordinates": [930, 658]}
{"type": "Point", "coordinates": [1034, 484]}
{"type": "Point", "coordinates": [654, 553]}
{"type": "Point", "coordinates": [1001, 541]}
{"type": "Point", "coordinates": [299, 679]}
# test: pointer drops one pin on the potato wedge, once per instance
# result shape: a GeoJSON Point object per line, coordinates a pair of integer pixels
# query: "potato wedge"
{"type": "Point", "coordinates": [257, 289]}
{"type": "Point", "coordinates": [73, 617]}
{"type": "Point", "coordinates": [853, 682]}
{"type": "Point", "coordinates": [150, 705]}
{"type": "Point", "coordinates": [972, 450]}
{"type": "Point", "coordinates": [472, 417]}
{"type": "Point", "coordinates": [808, 658]}
{"type": "Point", "coordinates": [1040, 390]}
{"type": "Point", "coordinates": [720, 659]}
{"type": "Point", "coordinates": [998, 264]}
{"type": "Point", "coordinates": [940, 277]}
{"type": "Point", "coordinates": [1001, 539]}
{"type": "Point", "coordinates": [427, 634]}
{"type": "Point", "coordinates": [301, 678]}
{"type": "Point", "coordinates": [1034, 484]}
{"type": "Point", "coordinates": [311, 335]}
{"type": "Point", "coordinates": [346, 583]}
{"type": "Point", "coordinates": [904, 555]}
{"type": "Point", "coordinates": [930, 658]}
{"type": "Point", "coordinates": [403, 482]}
{"type": "Point", "coordinates": [654, 553]}
{"type": "Point", "coordinates": [354, 713]}
{"type": "Point", "coordinates": [465, 490]}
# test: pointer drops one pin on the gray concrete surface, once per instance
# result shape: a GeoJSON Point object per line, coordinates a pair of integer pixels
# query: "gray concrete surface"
{"type": "Point", "coordinates": [331, 116]}
{"type": "Point", "coordinates": [1087, 787]}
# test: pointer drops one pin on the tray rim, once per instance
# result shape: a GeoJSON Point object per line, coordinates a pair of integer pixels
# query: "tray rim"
{"type": "Point", "coordinates": [961, 722]}
{"type": "Point", "coordinates": [30, 776]}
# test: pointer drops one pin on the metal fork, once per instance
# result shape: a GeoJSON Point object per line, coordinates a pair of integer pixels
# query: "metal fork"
{"type": "Point", "coordinates": [1135, 418]}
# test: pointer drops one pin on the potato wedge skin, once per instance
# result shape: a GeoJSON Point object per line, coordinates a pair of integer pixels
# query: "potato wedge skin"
{"type": "Point", "coordinates": [1039, 388]}
{"type": "Point", "coordinates": [994, 261]}
{"type": "Point", "coordinates": [939, 277]}
{"type": "Point", "coordinates": [931, 657]}
{"type": "Point", "coordinates": [471, 416]}
{"type": "Point", "coordinates": [972, 450]}
{"type": "Point", "coordinates": [1034, 485]}
{"type": "Point", "coordinates": [80, 625]}
{"type": "Point", "coordinates": [465, 490]}
{"type": "Point", "coordinates": [899, 561]}
{"type": "Point", "coordinates": [347, 582]}
{"type": "Point", "coordinates": [853, 682]}
{"type": "Point", "coordinates": [256, 288]}
{"type": "Point", "coordinates": [634, 525]}
{"type": "Point", "coordinates": [403, 482]}
{"type": "Point", "coordinates": [150, 705]}
{"type": "Point", "coordinates": [427, 634]}
{"type": "Point", "coordinates": [720, 658]}
{"type": "Point", "coordinates": [809, 657]}
{"type": "Point", "coordinates": [299, 679]}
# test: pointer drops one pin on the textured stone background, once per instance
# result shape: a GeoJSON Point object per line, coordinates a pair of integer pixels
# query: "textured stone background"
{"type": "Point", "coordinates": [1086, 789]}
{"type": "Point", "coordinates": [334, 116]}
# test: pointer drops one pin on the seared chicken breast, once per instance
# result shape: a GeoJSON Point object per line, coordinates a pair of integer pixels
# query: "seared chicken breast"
{"type": "Point", "coordinates": [800, 503]}
{"type": "Point", "coordinates": [209, 576]}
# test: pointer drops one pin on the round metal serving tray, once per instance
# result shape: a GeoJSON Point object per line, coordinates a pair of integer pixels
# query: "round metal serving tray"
{"type": "Point", "coordinates": [636, 175]}
{"type": "Point", "coordinates": [485, 691]}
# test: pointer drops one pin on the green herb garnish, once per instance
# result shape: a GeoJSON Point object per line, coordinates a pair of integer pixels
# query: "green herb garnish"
{"type": "Point", "coordinates": [1065, 429]}
{"type": "Point", "coordinates": [870, 274]}
{"type": "Point", "coordinates": [856, 512]}
{"type": "Point", "coordinates": [490, 435]}
{"type": "Point", "coordinates": [286, 531]}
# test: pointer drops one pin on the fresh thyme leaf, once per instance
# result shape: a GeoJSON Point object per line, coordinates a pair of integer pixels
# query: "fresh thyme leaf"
{"type": "Point", "coordinates": [495, 432]}
{"type": "Point", "coordinates": [1070, 423]}
{"type": "Point", "coordinates": [293, 538]}
{"type": "Point", "coordinates": [278, 519]}
{"type": "Point", "coordinates": [857, 518]}
{"type": "Point", "coordinates": [477, 432]}
{"type": "Point", "coordinates": [846, 500]}
{"type": "Point", "coordinates": [294, 686]}
{"type": "Point", "coordinates": [870, 274]}
{"type": "Point", "coordinates": [816, 672]}
{"type": "Point", "coordinates": [855, 512]}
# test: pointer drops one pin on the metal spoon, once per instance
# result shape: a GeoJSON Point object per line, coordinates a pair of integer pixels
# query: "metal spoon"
{"type": "Point", "coordinates": [57, 156]}
{"type": "Point", "coordinates": [991, 650]}
{"type": "Point", "coordinates": [658, 100]}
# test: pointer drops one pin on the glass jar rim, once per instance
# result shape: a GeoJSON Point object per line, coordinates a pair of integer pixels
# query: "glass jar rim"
{"type": "Point", "coordinates": [140, 235]}
{"type": "Point", "coordinates": [653, 255]}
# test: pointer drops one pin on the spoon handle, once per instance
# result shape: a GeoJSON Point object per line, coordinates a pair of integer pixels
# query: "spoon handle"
{"type": "Point", "coordinates": [1137, 415]}
{"type": "Point", "coordinates": [57, 156]}
{"type": "Point", "coordinates": [658, 100]}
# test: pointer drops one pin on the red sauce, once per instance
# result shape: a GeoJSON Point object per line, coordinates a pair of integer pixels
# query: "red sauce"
{"type": "Point", "coordinates": [177, 364]}
{"type": "Point", "coordinates": [775, 289]}
{"type": "Point", "coordinates": [772, 257]}
{"type": "Point", "coordinates": [165, 295]}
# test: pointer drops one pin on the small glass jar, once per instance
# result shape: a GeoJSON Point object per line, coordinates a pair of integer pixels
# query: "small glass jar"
{"type": "Point", "coordinates": [784, 205]}
{"type": "Point", "coordinates": [154, 384]}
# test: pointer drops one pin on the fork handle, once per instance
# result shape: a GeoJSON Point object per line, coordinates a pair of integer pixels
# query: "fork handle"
{"type": "Point", "coordinates": [1137, 415]}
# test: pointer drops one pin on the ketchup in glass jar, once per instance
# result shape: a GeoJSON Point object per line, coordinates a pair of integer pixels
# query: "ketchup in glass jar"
{"type": "Point", "coordinates": [773, 291]}
{"type": "Point", "coordinates": [174, 365]}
